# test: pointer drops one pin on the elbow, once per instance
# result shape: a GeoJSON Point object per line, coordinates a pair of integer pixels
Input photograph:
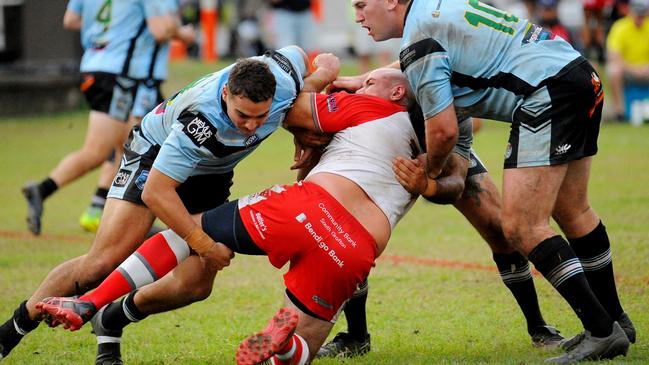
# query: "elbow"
{"type": "Point", "coordinates": [148, 197]}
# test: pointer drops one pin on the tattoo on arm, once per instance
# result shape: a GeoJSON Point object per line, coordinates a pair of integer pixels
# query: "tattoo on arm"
{"type": "Point", "coordinates": [450, 184]}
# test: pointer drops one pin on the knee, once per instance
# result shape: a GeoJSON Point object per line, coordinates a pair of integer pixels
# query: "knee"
{"type": "Point", "coordinates": [196, 291]}
{"type": "Point", "coordinates": [93, 271]}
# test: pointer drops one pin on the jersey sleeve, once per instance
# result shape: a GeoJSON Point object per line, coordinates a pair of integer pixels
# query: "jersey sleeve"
{"type": "Point", "coordinates": [427, 67]}
{"type": "Point", "coordinates": [296, 58]}
{"type": "Point", "coordinates": [75, 6]}
{"type": "Point", "coordinates": [154, 8]}
{"type": "Point", "coordinates": [337, 111]}
{"type": "Point", "coordinates": [185, 147]}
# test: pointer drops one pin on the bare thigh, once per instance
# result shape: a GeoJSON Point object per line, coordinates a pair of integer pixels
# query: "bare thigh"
{"type": "Point", "coordinates": [529, 195]}
{"type": "Point", "coordinates": [572, 210]}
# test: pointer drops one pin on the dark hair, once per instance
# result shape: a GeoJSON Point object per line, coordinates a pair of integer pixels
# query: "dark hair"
{"type": "Point", "coordinates": [252, 79]}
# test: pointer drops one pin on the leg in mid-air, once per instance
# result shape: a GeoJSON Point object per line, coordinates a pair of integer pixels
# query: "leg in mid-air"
{"type": "Point", "coordinates": [292, 337]}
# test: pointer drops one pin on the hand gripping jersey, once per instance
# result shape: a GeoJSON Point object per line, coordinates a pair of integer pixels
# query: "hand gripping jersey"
{"type": "Point", "coordinates": [373, 131]}
{"type": "Point", "coordinates": [115, 37]}
{"type": "Point", "coordinates": [194, 132]}
{"type": "Point", "coordinates": [483, 60]}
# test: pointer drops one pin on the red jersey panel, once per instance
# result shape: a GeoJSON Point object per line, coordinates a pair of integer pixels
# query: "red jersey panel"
{"type": "Point", "coordinates": [337, 111]}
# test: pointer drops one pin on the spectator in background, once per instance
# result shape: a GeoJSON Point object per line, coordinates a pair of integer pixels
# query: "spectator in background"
{"type": "Point", "coordinates": [628, 53]}
{"type": "Point", "coordinates": [592, 32]}
{"type": "Point", "coordinates": [548, 17]}
{"type": "Point", "coordinates": [294, 24]}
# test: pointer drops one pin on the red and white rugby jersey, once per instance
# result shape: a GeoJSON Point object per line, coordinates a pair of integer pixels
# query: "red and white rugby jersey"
{"type": "Point", "coordinates": [371, 132]}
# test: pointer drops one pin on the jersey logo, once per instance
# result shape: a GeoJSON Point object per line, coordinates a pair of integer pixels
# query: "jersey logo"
{"type": "Point", "coordinates": [537, 33]}
{"type": "Point", "coordinates": [121, 178]}
{"type": "Point", "coordinates": [141, 179]}
{"type": "Point", "coordinates": [199, 130]}
{"type": "Point", "coordinates": [203, 134]}
{"type": "Point", "coordinates": [418, 50]}
{"type": "Point", "coordinates": [331, 104]}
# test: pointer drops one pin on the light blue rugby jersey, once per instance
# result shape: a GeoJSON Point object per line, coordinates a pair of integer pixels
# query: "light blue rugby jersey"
{"type": "Point", "coordinates": [108, 27]}
{"type": "Point", "coordinates": [197, 136]}
{"type": "Point", "coordinates": [480, 58]}
{"type": "Point", "coordinates": [147, 50]}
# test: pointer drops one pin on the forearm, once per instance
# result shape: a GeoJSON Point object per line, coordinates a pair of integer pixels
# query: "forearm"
{"type": "Point", "coordinates": [447, 190]}
{"type": "Point", "coordinates": [449, 186]}
{"type": "Point", "coordinates": [319, 79]}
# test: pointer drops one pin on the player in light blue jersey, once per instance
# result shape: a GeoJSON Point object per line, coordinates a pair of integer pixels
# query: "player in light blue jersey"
{"type": "Point", "coordinates": [113, 34]}
{"type": "Point", "coordinates": [470, 59]}
{"type": "Point", "coordinates": [185, 151]}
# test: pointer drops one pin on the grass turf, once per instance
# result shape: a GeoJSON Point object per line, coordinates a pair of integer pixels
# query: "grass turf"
{"type": "Point", "coordinates": [435, 297]}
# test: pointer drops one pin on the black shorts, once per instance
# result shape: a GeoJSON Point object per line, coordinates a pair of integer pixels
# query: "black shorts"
{"type": "Point", "coordinates": [198, 193]}
{"type": "Point", "coordinates": [109, 93]}
{"type": "Point", "coordinates": [475, 165]}
{"type": "Point", "coordinates": [559, 122]}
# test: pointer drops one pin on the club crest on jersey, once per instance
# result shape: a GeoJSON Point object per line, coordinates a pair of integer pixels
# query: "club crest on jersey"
{"type": "Point", "coordinates": [198, 130]}
{"type": "Point", "coordinates": [121, 178]}
{"type": "Point", "coordinates": [331, 104]}
{"type": "Point", "coordinates": [141, 179]}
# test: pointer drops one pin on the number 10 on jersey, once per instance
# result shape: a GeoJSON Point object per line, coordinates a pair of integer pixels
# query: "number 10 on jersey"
{"type": "Point", "coordinates": [476, 19]}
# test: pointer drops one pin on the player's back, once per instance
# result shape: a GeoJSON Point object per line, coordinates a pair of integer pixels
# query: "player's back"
{"type": "Point", "coordinates": [108, 29]}
{"type": "Point", "coordinates": [491, 57]}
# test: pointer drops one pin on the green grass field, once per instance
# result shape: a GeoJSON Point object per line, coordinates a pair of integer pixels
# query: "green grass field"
{"type": "Point", "coordinates": [435, 296]}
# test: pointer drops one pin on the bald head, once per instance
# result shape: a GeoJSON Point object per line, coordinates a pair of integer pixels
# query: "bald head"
{"type": "Point", "coordinates": [389, 84]}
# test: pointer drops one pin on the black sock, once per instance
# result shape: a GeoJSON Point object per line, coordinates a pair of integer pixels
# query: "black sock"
{"type": "Point", "coordinates": [10, 336]}
{"type": "Point", "coordinates": [556, 260]}
{"type": "Point", "coordinates": [47, 187]}
{"type": "Point", "coordinates": [355, 313]}
{"type": "Point", "coordinates": [594, 252]}
{"type": "Point", "coordinates": [99, 199]}
{"type": "Point", "coordinates": [516, 274]}
{"type": "Point", "coordinates": [118, 315]}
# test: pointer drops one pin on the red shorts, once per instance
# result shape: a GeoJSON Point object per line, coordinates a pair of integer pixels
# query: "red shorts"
{"type": "Point", "coordinates": [330, 252]}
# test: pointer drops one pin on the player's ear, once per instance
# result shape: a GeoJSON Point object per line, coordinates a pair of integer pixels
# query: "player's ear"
{"type": "Point", "coordinates": [398, 93]}
{"type": "Point", "coordinates": [224, 93]}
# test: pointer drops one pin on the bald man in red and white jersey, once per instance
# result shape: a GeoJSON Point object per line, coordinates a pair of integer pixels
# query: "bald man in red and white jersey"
{"type": "Point", "coordinates": [330, 227]}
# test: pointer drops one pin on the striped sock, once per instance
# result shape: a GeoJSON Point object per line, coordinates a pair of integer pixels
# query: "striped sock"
{"type": "Point", "coordinates": [594, 252]}
{"type": "Point", "coordinates": [156, 257]}
{"type": "Point", "coordinates": [296, 352]}
{"type": "Point", "coordinates": [516, 274]}
{"type": "Point", "coordinates": [556, 260]}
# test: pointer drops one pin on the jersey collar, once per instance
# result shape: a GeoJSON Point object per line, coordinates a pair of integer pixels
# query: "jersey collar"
{"type": "Point", "coordinates": [405, 17]}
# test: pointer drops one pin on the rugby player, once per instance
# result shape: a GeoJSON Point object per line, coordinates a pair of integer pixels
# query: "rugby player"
{"type": "Point", "coordinates": [553, 98]}
{"type": "Point", "coordinates": [330, 226]}
{"type": "Point", "coordinates": [118, 39]}
{"type": "Point", "coordinates": [185, 151]}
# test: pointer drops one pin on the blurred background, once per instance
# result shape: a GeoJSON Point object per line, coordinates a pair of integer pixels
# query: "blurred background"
{"type": "Point", "coordinates": [39, 59]}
